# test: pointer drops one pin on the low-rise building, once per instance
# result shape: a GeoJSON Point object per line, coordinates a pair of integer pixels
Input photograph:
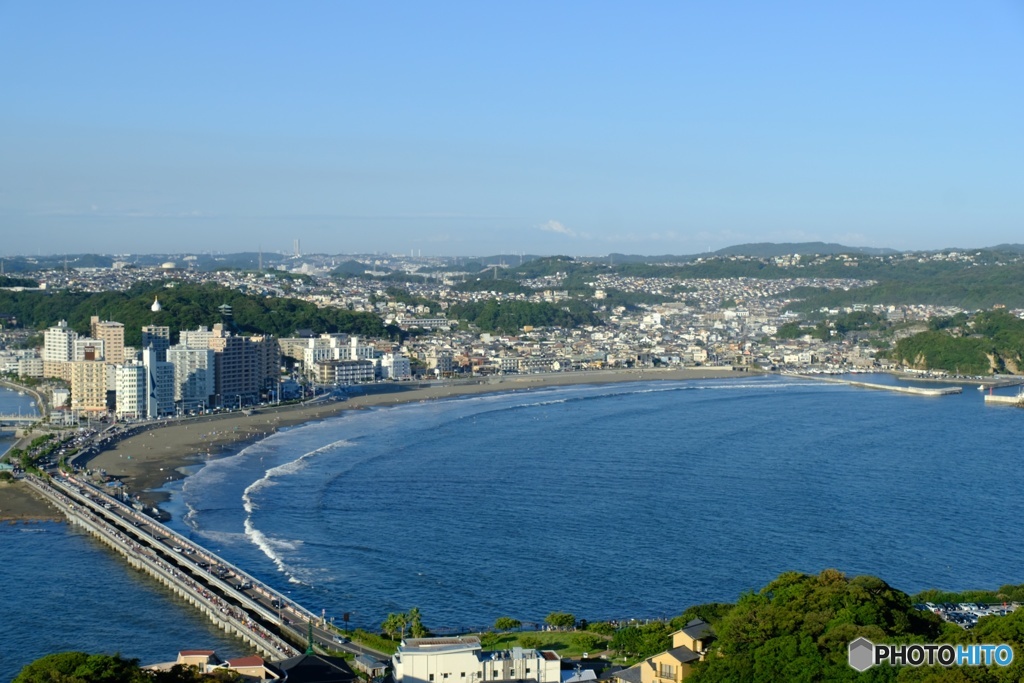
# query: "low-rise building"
{"type": "Point", "coordinates": [462, 660]}
{"type": "Point", "coordinates": [689, 645]}
{"type": "Point", "coordinates": [344, 371]}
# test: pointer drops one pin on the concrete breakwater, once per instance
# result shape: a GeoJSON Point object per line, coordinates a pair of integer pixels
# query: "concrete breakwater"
{"type": "Point", "coordinates": [917, 391]}
{"type": "Point", "coordinates": [993, 399]}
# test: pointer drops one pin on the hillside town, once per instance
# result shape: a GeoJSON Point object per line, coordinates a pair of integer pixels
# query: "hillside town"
{"type": "Point", "coordinates": [732, 322]}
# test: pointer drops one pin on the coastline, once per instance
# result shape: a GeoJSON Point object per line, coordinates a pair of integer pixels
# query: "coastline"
{"type": "Point", "coordinates": [152, 458]}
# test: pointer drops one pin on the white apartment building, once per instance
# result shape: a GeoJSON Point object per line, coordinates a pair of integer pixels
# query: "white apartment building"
{"type": "Point", "coordinates": [356, 351]}
{"type": "Point", "coordinates": [194, 376]}
{"type": "Point", "coordinates": [58, 343]}
{"type": "Point", "coordinates": [130, 400]}
{"type": "Point", "coordinates": [332, 347]}
{"type": "Point", "coordinates": [30, 367]}
{"type": "Point", "coordinates": [462, 660]}
{"type": "Point", "coordinates": [198, 338]}
{"type": "Point", "coordinates": [395, 366]}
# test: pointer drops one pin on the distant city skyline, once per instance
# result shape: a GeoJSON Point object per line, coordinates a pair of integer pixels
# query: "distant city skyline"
{"type": "Point", "coordinates": [465, 129]}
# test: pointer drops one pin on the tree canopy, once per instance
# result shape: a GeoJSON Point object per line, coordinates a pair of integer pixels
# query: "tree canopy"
{"type": "Point", "coordinates": [511, 316]}
{"type": "Point", "coordinates": [185, 306]}
{"type": "Point", "coordinates": [82, 667]}
{"type": "Point", "coordinates": [799, 626]}
{"type": "Point", "coordinates": [991, 340]}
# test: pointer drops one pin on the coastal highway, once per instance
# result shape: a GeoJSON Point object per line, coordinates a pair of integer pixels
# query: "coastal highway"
{"type": "Point", "coordinates": [278, 620]}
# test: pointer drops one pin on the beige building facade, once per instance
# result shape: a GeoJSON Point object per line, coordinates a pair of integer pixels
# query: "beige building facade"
{"type": "Point", "coordinates": [462, 660]}
{"type": "Point", "coordinates": [88, 379]}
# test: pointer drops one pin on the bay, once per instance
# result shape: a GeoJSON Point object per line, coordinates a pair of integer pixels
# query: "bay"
{"type": "Point", "coordinates": [618, 501]}
{"type": "Point", "coordinates": [614, 501]}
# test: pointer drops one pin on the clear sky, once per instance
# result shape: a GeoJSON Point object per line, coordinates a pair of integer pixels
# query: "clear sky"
{"type": "Point", "coordinates": [577, 128]}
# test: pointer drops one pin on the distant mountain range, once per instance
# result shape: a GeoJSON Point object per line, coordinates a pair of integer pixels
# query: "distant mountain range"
{"type": "Point", "coordinates": [760, 250]}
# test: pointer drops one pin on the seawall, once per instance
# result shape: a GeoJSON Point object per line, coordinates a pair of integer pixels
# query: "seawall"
{"type": "Point", "coordinates": [916, 391]}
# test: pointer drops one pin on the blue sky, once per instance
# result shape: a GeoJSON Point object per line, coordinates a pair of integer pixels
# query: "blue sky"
{"type": "Point", "coordinates": [579, 128]}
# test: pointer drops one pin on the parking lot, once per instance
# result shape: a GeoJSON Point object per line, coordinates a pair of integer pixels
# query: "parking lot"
{"type": "Point", "coordinates": [966, 614]}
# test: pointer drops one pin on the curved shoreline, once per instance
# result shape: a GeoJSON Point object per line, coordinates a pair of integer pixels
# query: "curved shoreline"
{"type": "Point", "coordinates": [151, 458]}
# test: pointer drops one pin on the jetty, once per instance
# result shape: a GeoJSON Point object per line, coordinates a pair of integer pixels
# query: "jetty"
{"type": "Point", "coordinates": [1000, 381]}
{"type": "Point", "coordinates": [916, 391]}
{"type": "Point", "coordinates": [271, 622]}
{"type": "Point", "coordinates": [996, 400]}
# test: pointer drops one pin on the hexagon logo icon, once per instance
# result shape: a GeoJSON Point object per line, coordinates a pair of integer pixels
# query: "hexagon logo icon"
{"type": "Point", "coordinates": [862, 654]}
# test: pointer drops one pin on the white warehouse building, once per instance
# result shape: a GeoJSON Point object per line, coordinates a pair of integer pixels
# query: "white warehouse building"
{"type": "Point", "coordinates": [462, 660]}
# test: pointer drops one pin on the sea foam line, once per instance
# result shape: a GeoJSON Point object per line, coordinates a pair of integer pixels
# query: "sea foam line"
{"type": "Point", "coordinates": [285, 469]}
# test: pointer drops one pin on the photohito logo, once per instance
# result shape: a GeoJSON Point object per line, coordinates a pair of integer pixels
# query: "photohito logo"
{"type": "Point", "coordinates": [864, 654]}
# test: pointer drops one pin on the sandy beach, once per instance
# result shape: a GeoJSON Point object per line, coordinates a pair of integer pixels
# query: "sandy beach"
{"type": "Point", "coordinates": [150, 459]}
{"type": "Point", "coordinates": [18, 503]}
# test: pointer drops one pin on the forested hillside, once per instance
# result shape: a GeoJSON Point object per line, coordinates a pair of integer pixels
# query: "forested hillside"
{"type": "Point", "coordinates": [185, 306]}
{"type": "Point", "coordinates": [991, 341]}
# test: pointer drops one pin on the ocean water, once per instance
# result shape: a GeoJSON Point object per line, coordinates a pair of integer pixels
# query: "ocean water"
{"type": "Point", "coordinates": [63, 590]}
{"type": "Point", "coordinates": [619, 500]}
{"type": "Point", "coordinates": [13, 403]}
{"type": "Point", "coordinates": [615, 501]}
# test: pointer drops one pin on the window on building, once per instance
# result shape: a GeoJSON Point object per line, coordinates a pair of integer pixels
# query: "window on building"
{"type": "Point", "coordinates": [431, 676]}
{"type": "Point", "coordinates": [666, 671]}
{"type": "Point", "coordinates": [444, 675]}
{"type": "Point", "coordinates": [527, 669]}
{"type": "Point", "coordinates": [462, 675]}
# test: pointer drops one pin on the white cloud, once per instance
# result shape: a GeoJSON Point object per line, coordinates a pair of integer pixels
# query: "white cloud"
{"type": "Point", "coordinates": [556, 227]}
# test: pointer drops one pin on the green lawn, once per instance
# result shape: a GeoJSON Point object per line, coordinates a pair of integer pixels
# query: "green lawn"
{"type": "Point", "coordinates": [562, 642]}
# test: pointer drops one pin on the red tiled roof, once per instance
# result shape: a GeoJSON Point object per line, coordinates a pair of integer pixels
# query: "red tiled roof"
{"type": "Point", "coordinates": [247, 661]}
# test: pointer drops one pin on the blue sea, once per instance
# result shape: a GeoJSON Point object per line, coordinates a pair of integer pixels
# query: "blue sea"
{"type": "Point", "coordinates": [613, 501]}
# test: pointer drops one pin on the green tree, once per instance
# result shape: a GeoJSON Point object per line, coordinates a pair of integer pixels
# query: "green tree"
{"type": "Point", "coordinates": [395, 624]}
{"type": "Point", "coordinates": [710, 612]}
{"type": "Point", "coordinates": [562, 620]}
{"type": "Point", "coordinates": [531, 642]}
{"type": "Point", "coordinates": [628, 640]}
{"type": "Point", "coordinates": [506, 624]}
{"type": "Point", "coordinates": [81, 667]}
{"type": "Point", "coordinates": [415, 619]}
{"type": "Point", "coordinates": [588, 642]}
{"type": "Point", "coordinates": [798, 628]}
